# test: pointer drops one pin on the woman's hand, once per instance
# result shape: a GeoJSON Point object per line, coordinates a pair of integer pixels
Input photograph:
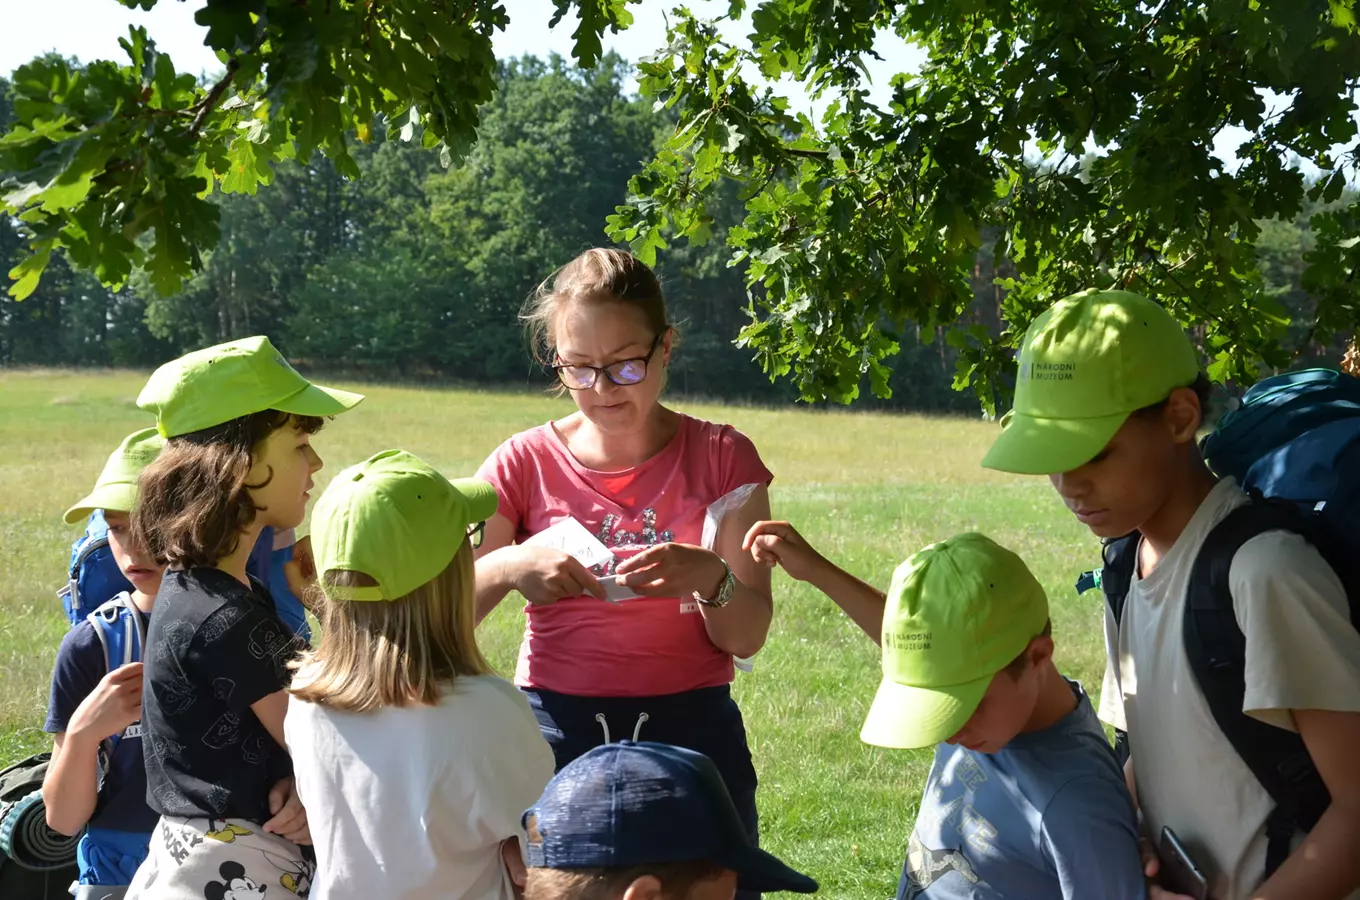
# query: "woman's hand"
{"type": "Point", "coordinates": [545, 575]}
{"type": "Point", "coordinates": [673, 570]}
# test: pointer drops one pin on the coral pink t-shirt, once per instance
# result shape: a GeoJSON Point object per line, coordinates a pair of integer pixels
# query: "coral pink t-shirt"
{"type": "Point", "coordinates": [643, 647]}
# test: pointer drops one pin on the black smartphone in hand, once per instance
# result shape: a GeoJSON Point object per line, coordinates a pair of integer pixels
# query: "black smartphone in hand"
{"type": "Point", "coordinates": [1179, 872]}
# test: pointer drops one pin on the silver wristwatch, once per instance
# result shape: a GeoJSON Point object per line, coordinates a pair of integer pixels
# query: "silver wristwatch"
{"type": "Point", "coordinates": [725, 590]}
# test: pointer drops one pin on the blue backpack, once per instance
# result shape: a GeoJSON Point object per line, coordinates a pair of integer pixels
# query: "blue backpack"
{"type": "Point", "coordinates": [1293, 442]}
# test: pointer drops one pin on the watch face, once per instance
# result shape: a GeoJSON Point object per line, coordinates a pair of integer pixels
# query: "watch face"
{"type": "Point", "coordinates": [729, 587]}
{"type": "Point", "coordinates": [725, 590]}
{"type": "Point", "coordinates": [723, 595]}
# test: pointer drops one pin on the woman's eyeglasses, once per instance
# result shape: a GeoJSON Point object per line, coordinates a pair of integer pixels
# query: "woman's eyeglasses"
{"type": "Point", "coordinates": [624, 373]}
{"type": "Point", "coordinates": [475, 535]}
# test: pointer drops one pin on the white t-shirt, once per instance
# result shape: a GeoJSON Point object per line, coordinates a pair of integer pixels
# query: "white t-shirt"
{"type": "Point", "coordinates": [1302, 653]}
{"type": "Point", "coordinates": [413, 803]}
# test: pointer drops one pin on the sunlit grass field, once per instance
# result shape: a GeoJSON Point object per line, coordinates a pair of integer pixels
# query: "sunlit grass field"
{"type": "Point", "coordinates": [867, 489]}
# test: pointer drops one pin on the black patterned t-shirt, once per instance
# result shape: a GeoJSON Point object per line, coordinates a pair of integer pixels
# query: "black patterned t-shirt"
{"type": "Point", "coordinates": [214, 647]}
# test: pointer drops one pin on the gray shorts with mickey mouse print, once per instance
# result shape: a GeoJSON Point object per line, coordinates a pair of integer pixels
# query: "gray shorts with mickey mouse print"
{"type": "Point", "coordinates": [219, 859]}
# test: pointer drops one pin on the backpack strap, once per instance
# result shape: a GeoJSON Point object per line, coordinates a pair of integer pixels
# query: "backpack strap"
{"type": "Point", "coordinates": [1217, 653]}
{"type": "Point", "coordinates": [121, 629]}
{"type": "Point", "coordinates": [1114, 578]}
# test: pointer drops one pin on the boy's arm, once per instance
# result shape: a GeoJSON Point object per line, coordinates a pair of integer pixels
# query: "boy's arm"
{"type": "Point", "coordinates": [1302, 674]}
{"type": "Point", "coordinates": [71, 787]}
{"type": "Point", "coordinates": [1089, 833]}
{"type": "Point", "coordinates": [779, 543]}
{"type": "Point", "coordinates": [1325, 866]}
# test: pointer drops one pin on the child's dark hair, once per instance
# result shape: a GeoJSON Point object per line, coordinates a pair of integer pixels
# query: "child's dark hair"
{"type": "Point", "coordinates": [1203, 389]}
{"type": "Point", "coordinates": [194, 503]}
{"type": "Point", "coordinates": [1016, 667]}
{"type": "Point", "coordinates": [677, 878]}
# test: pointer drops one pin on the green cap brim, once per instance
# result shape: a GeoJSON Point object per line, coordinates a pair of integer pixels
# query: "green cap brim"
{"type": "Point", "coordinates": [1030, 445]}
{"type": "Point", "coordinates": [315, 400]}
{"type": "Point", "coordinates": [481, 498]}
{"type": "Point", "coordinates": [904, 717]}
{"type": "Point", "coordinates": [118, 497]}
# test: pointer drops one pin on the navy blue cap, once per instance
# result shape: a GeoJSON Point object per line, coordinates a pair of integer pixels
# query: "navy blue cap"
{"type": "Point", "coordinates": [633, 804]}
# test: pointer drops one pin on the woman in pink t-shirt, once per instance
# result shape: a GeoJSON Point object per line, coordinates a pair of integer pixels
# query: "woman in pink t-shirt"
{"type": "Point", "coordinates": [642, 479]}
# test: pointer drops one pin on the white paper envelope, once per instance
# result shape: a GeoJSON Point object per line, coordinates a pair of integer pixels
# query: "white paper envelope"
{"type": "Point", "coordinates": [571, 537]}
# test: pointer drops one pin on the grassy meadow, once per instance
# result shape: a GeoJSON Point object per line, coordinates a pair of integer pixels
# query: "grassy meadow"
{"type": "Point", "coordinates": [867, 489]}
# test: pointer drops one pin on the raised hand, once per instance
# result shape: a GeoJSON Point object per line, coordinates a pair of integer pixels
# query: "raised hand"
{"type": "Point", "coordinates": [779, 543]}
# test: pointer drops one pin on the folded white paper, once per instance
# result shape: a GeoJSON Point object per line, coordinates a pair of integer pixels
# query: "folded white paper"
{"type": "Point", "coordinates": [572, 538]}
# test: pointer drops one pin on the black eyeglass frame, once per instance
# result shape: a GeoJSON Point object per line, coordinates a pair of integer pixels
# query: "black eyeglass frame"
{"type": "Point", "coordinates": [476, 534]}
{"type": "Point", "coordinates": [605, 370]}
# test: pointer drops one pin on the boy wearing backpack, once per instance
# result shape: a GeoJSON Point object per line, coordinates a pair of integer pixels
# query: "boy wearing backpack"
{"type": "Point", "coordinates": [96, 776]}
{"type": "Point", "coordinates": [1234, 666]}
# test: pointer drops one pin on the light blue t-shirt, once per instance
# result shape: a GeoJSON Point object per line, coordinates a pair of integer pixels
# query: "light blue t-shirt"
{"type": "Point", "coordinates": [1047, 818]}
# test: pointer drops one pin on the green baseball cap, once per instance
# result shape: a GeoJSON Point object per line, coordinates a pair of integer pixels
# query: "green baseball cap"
{"type": "Point", "coordinates": [395, 519]}
{"type": "Point", "coordinates": [1086, 364]}
{"type": "Point", "coordinates": [116, 487]}
{"type": "Point", "coordinates": [958, 612]}
{"type": "Point", "coordinates": [227, 381]}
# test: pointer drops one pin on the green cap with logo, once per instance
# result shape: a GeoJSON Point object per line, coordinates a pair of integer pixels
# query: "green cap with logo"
{"type": "Point", "coordinates": [116, 488]}
{"type": "Point", "coordinates": [958, 612]}
{"type": "Point", "coordinates": [227, 381]}
{"type": "Point", "coordinates": [1086, 364]}
{"type": "Point", "coordinates": [396, 520]}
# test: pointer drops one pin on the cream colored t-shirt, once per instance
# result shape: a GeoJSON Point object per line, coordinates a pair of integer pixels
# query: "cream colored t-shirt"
{"type": "Point", "coordinates": [1302, 653]}
{"type": "Point", "coordinates": [413, 803]}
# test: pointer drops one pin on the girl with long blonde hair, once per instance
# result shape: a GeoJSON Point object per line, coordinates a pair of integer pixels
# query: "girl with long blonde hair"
{"type": "Point", "coordinates": [414, 760]}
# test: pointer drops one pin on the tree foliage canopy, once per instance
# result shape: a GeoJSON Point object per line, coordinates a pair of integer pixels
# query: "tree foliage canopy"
{"type": "Point", "coordinates": [856, 226]}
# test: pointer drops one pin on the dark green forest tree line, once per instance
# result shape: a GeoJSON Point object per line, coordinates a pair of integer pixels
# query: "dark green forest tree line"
{"type": "Point", "coordinates": [416, 272]}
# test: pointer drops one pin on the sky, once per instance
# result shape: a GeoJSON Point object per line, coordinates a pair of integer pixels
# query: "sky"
{"type": "Point", "coordinates": [89, 29]}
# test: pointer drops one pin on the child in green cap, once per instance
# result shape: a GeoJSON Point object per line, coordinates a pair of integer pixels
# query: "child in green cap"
{"type": "Point", "coordinates": [1109, 402]}
{"type": "Point", "coordinates": [238, 421]}
{"type": "Point", "coordinates": [96, 780]}
{"type": "Point", "coordinates": [1025, 798]}
{"type": "Point", "coordinates": [415, 759]}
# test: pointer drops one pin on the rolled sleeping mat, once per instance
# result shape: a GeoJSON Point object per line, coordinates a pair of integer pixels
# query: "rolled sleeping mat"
{"type": "Point", "coordinates": [27, 840]}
